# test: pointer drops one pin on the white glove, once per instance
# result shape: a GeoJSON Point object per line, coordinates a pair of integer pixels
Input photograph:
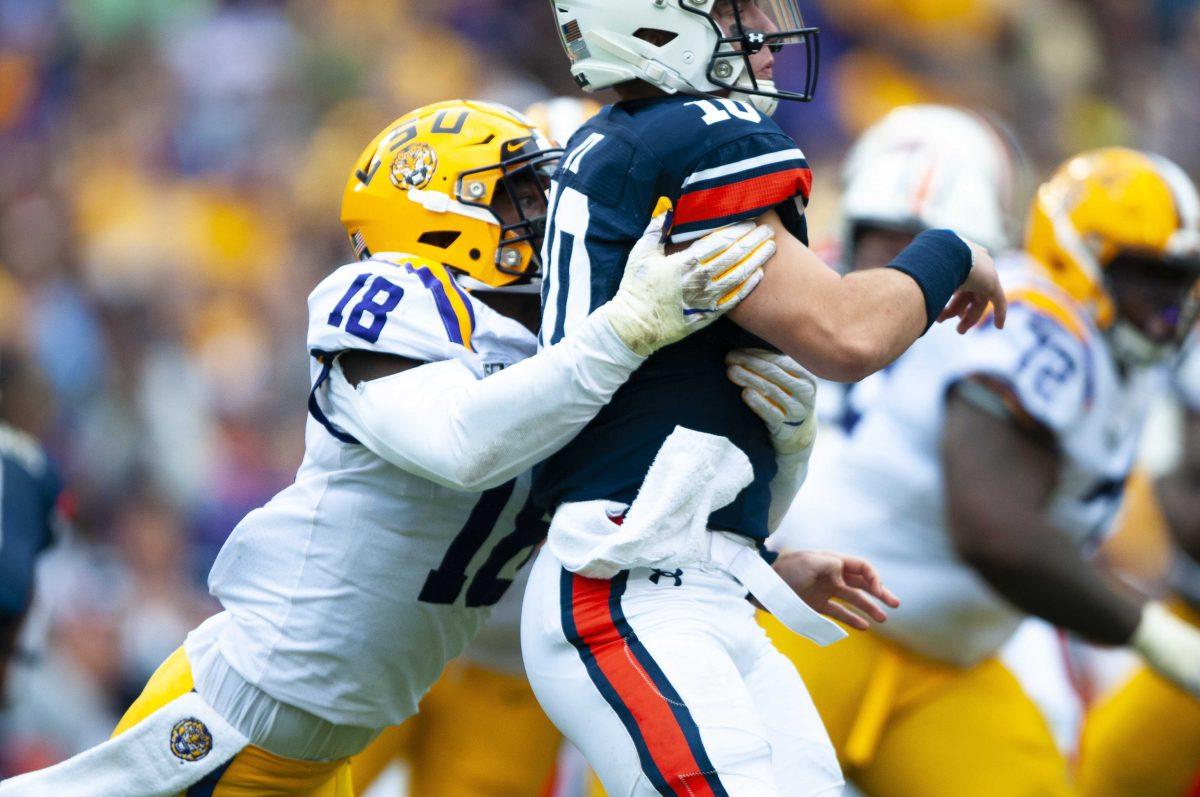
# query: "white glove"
{"type": "Point", "coordinates": [1171, 646]}
{"type": "Point", "coordinates": [784, 395]}
{"type": "Point", "coordinates": [664, 298]}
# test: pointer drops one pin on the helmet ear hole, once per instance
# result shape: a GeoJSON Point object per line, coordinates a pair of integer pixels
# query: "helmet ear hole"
{"type": "Point", "coordinates": [655, 36]}
{"type": "Point", "coordinates": [475, 254]}
{"type": "Point", "coordinates": [442, 240]}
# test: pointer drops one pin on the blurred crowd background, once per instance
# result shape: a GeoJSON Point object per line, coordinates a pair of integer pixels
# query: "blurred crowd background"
{"type": "Point", "coordinates": [170, 177]}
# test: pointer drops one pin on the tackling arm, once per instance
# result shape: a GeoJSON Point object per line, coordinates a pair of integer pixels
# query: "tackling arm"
{"type": "Point", "coordinates": [441, 423]}
{"type": "Point", "coordinates": [999, 478]}
{"type": "Point", "coordinates": [1180, 492]}
{"type": "Point", "coordinates": [845, 328]}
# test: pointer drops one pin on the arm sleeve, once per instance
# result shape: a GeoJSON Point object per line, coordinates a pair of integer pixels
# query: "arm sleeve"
{"type": "Point", "coordinates": [439, 422]}
{"type": "Point", "coordinates": [741, 180]}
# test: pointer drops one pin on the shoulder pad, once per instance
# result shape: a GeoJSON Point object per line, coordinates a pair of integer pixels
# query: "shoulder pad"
{"type": "Point", "coordinates": [1043, 357]}
{"type": "Point", "coordinates": [392, 304]}
{"type": "Point", "coordinates": [683, 129]}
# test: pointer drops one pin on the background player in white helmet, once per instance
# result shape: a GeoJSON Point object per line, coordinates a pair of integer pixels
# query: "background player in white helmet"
{"type": "Point", "coordinates": [919, 168]}
{"type": "Point", "coordinates": [346, 594]}
{"type": "Point", "coordinates": [923, 167]}
{"type": "Point", "coordinates": [984, 475]}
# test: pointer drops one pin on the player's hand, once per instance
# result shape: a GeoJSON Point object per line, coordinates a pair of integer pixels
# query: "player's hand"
{"type": "Point", "coordinates": [782, 393]}
{"type": "Point", "coordinates": [1171, 646]}
{"type": "Point", "coordinates": [843, 588]}
{"type": "Point", "coordinates": [982, 288]}
{"type": "Point", "coordinates": [664, 298]}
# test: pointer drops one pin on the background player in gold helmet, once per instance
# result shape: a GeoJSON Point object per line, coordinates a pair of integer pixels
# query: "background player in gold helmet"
{"type": "Point", "coordinates": [346, 595]}
{"type": "Point", "coordinates": [975, 541]}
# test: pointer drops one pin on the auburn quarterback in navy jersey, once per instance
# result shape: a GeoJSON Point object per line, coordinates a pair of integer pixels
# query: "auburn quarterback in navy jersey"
{"type": "Point", "coordinates": [721, 162]}
{"type": "Point", "coordinates": [702, 703]}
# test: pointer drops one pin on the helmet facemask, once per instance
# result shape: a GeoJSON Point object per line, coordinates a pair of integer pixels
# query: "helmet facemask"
{"type": "Point", "coordinates": [518, 205]}
{"type": "Point", "coordinates": [1156, 301]}
{"type": "Point", "coordinates": [744, 28]}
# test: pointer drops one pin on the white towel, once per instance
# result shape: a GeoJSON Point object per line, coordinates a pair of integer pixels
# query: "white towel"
{"type": "Point", "coordinates": [693, 475]}
{"type": "Point", "coordinates": [170, 751]}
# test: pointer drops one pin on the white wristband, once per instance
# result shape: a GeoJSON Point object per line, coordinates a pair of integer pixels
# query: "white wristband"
{"type": "Point", "coordinates": [1170, 645]}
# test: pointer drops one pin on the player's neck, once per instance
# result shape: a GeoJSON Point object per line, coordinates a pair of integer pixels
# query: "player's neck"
{"type": "Point", "coordinates": [524, 308]}
{"type": "Point", "coordinates": [637, 90]}
{"type": "Point", "coordinates": [641, 90]}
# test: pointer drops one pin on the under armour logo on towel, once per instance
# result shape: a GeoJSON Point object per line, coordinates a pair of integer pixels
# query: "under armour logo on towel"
{"type": "Point", "coordinates": [660, 574]}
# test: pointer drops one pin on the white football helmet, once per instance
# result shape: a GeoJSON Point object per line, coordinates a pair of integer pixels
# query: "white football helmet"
{"type": "Point", "coordinates": [926, 167]}
{"type": "Point", "coordinates": [679, 46]}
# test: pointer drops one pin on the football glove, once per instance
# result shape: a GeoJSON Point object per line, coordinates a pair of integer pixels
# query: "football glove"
{"type": "Point", "coordinates": [664, 298]}
{"type": "Point", "coordinates": [781, 392]}
{"type": "Point", "coordinates": [784, 395]}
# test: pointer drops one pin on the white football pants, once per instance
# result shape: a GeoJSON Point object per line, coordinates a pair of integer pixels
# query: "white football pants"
{"type": "Point", "coordinates": [666, 683]}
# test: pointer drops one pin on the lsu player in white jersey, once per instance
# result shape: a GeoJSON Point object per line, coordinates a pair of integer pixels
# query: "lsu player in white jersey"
{"type": "Point", "coordinates": [984, 475]}
{"type": "Point", "coordinates": [1144, 738]}
{"type": "Point", "coordinates": [480, 729]}
{"type": "Point", "coordinates": [346, 595]}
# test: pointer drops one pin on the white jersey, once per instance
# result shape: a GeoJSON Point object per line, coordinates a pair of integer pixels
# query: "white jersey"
{"type": "Point", "coordinates": [883, 495]}
{"type": "Point", "coordinates": [347, 594]}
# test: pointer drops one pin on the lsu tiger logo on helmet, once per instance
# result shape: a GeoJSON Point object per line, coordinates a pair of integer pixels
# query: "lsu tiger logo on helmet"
{"type": "Point", "coordinates": [468, 187]}
{"type": "Point", "coordinates": [190, 740]}
{"type": "Point", "coordinates": [414, 166]}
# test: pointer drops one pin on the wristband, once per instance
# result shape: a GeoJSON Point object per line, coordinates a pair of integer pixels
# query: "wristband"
{"type": "Point", "coordinates": [940, 262]}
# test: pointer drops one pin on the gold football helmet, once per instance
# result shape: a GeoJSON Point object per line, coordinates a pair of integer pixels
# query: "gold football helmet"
{"type": "Point", "coordinates": [463, 183]}
{"type": "Point", "coordinates": [1119, 231]}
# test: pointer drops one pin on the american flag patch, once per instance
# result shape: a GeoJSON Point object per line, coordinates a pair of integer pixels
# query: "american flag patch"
{"type": "Point", "coordinates": [572, 32]}
{"type": "Point", "coordinates": [360, 245]}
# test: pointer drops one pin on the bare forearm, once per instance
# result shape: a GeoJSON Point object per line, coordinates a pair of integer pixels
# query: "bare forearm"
{"type": "Point", "coordinates": [1054, 582]}
{"type": "Point", "coordinates": [840, 328]}
{"type": "Point", "coordinates": [1000, 479]}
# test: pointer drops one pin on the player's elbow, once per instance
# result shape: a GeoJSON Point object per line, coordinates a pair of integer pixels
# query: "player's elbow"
{"type": "Point", "coordinates": [474, 469]}
{"type": "Point", "coordinates": [853, 357]}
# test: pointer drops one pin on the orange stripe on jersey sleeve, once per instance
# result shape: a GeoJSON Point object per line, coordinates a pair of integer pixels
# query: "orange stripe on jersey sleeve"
{"type": "Point", "coordinates": [756, 193]}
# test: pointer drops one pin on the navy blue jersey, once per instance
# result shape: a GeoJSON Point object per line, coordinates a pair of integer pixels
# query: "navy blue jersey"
{"type": "Point", "coordinates": [718, 162]}
{"type": "Point", "coordinates": [29, 489]}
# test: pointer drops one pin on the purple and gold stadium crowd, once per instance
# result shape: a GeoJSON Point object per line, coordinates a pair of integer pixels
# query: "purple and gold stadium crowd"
{"type": "Point", "coordinates": [170, 174]}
